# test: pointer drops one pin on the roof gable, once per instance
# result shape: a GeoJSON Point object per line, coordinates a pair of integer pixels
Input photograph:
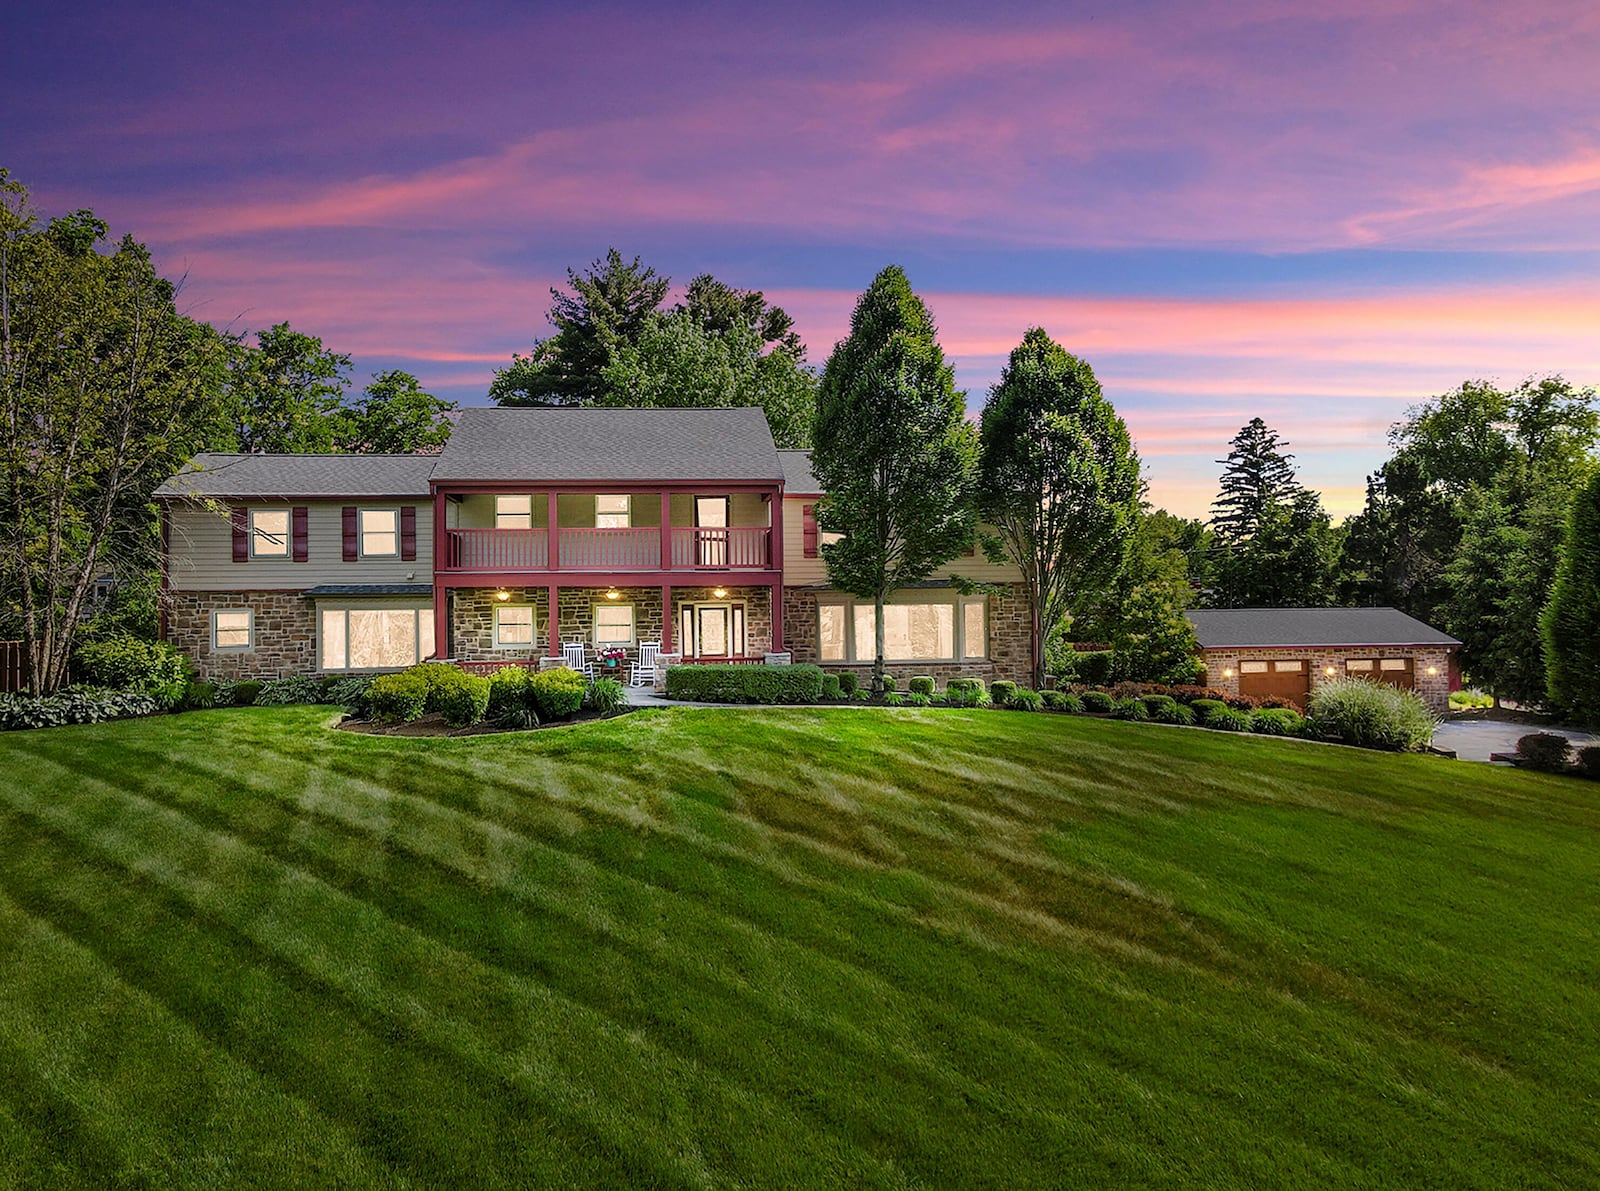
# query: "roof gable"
{"type": "Point", "coordinates": [1243, 628]}
{"type": "Point", "coordinates": [309, 476]}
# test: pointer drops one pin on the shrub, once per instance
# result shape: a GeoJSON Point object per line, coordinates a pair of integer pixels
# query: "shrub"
{"type": "Point", "coordinates": [848, 683]}
{"type": "Point", "coordinates": [558, 694]}
{"type": "Point", "coordinates": [1130, 709]}
{"type": "Point", "coordinates": [1371, 715]}
{"type": "Point", "coordinates": [398, 698]}
{"type": "Point", "coordinates": [746, 684]}
{"type": "Point", "coordinates": [1185, 693]}
{"type": "Point", "coordinates": [460, 697]}
{"type": "Point", "coordinates": [1062, 701]}
{"type": "Point", "coordinates": [922, 684]}
{"type": "Point", "coordinates": [125, 663]}
{"type": "Point", "coordinates": [199, 696]}
{"type": "Point", "coordinates": [349, 693]}
{"type": "Point", "coordinates": [297, 688]}
{"type": "Point", "coordinates": [1173, 713]}
{"type": "Point", "coordinates": [1465, 699]}
{"type": "Point", "coordinates": [1544, 751]}
{"type": "Point", "coordinates": [1227, 719]}
{"type": "Point", "coordinates": [893, 699]}
{"type": "Point", "coordinates": [1588, 761]}
{"type": "Point", "coordinates": [966, 692]}
{"type": "Point", "coordinates": [918, 699]}
{"type": "Point", "coordinates": [1097, 701]}
{"type": "Point", "coordinates": [244, 693]}
{"type": "Point", "coordinates": [889, 683]}
{"type": "Point", "coordinates": [831, 690]}
{"type": "Point", "coordinates": [509, 703]}
{"type": "Point", "coordinates": [74, 705]}
{"type": "Point", "coordinates": [862, 695]}
{"type": "Point", "coordinates": [1022, 699]}
{"type": "Point", "coordinates": [1242, 702]}
{"type": "Point", "coordinates": [224, 696]}
{"type": "Point", "coordinates": [1093, 666]}
{"type": "Point", "coordinates": [1203, 707]}
{"type": "Point", "coordinates": [1001, 691]}
{"type": "Point", "coordinates": [605, 695]}
{"type": "Point", "coordinates": [1278, 721]}
{"type": "Point", "coordinates": [1157, 703]}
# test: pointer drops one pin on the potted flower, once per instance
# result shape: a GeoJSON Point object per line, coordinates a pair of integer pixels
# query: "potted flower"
{"type": "Point", "coordinates": [613, 656]}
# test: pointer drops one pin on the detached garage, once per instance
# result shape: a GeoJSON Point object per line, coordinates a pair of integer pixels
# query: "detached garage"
{"type": "Point", "coordinates": [1286, 652]}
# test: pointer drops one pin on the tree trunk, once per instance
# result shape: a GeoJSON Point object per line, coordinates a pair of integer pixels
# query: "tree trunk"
{"type": "Point", "coordinates": [877, 660]}
{"type": "Point", "coordinates": [1038, 647]}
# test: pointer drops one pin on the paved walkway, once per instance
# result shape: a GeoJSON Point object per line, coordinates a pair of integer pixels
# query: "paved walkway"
{"type": "Point", "coordinates": [1474, 740]}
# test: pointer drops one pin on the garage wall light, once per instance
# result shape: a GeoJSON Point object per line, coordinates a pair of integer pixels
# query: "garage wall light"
{"type": "Point", "coordinates": [1433, 669]}
{"type": "Point", "coordinates": [1228, 673]}
{"type": "Point", "coordinates": [1328, 670]}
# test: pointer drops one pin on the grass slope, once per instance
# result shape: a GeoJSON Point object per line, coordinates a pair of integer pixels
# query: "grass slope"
{"type": "Point", "coordinates": [786, 948]}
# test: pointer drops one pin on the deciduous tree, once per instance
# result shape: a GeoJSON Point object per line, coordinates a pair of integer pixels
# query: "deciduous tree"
{"type": "Point", "coordinates": [395, 415]}
{"type": "Point", "coordinates": [286, 393]}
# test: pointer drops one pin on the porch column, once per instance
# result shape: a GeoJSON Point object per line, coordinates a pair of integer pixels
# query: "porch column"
{"type": "Point", "coordinates": [441, 595]}
{"type": "Point", "coordinates": [666, 619]}
{"type": "Point", "coordinates": [775, 594]}
{"type": "Point", "coordinates": [554, 613]}
{"type": "Point", "coordinates": [552, 534]}
{"type": "Point", "coordinates": [666, 537]}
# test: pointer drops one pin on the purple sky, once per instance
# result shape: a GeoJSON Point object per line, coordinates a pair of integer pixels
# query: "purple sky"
{"type": "Point", "coordinates": [1228, 209]}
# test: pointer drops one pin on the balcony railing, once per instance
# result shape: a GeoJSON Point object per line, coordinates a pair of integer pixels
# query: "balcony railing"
{"type": "Point", "coordinates": [702, 549]}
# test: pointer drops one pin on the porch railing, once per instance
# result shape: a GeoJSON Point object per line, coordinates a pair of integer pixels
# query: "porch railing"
{"type": "Point", "coordinates": [736, 548]}
{"type": "Point", "coordinates": [701, 549]}
{"type": "Point", "coordinates": [497, 550]}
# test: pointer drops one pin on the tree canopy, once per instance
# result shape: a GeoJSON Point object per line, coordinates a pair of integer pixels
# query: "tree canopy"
{"type": "Point", "coordinates": [895, 456]}
{"type": "Point", "coordinates": [286, 393]}
{"type": "Point", "coordinates": [1256, 476]}
{"type": "Point", "coordinates": [1571, 621]}
{"type": "Point", "coordinates": [395, 415]}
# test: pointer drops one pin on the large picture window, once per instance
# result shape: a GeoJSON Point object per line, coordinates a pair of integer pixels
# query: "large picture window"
{"type": "Point", "coordinates": [375, 638]}
{"type": "Point", "coordinates": [937, 629]}
{"type": "Point", "coordinates": [380, 533]}
{"type": "Point", "coordinates": [269, 533]}
{"type": "Point", "coordinates": [513, 512]}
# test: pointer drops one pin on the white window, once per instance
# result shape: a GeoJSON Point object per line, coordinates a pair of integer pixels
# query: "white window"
{"type": "Point", "coordinates": [513, 512]}
{"type": "Point", "coordinates": [233, 628]}
{"type": "Point", "coordinates": [613, 512]}
{"type": "Point", "coordinates": [1358, 665]}
{"type": "Point", "coordinates": [375, 638]}
{"type": "Point", "coordinates": [911, 632]}
{"type": "Point", "coordinates": [830, 632]}
{"type": "Point", "coordinates": [1393, 664]}
{"type": "Point", "coordinates": [1252, 667]}
{"type": "Point", "coordinates": [1289, 667]}
{"type": "Point", "coordinates": [513, 625]}
{"type": "Point", "coordinates": [974, 629]}
{"type": "Point", "coordinates": [380, 533]}
{"type": "Point", "coordinates": [827, 537]}
{"type": "Point", "coordinates": [613, 625]}
{"type": "Point", "coordinates": [269, 533]}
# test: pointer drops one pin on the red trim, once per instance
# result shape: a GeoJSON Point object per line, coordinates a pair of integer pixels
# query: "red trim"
{"type": "Point", "coordinates": [651, 578]}
{"type": "Point", "coordinates": [641, 485]}
{"type": "Point", "coordinates": [668, 616]}
{"type": "Point", "coordinates": [1325, 645]}
{"type": "Point", "coordinates": [666, 531]}
{"type": "Point", "coordinates": [408, 533]}
{"type": "Point", "coordinates": [553, 619]}
{"type": "Point", "coordinates": [441, 598]}
{"type": "Point", "coordinates": [775, 593]}
{"type": "Point", "coordinates": [240, 517]}
{"type": "Point", "coordinates": [351, 534]}
{"type": "Point", "coordinates": [300, 518]}
{"type": "Point", "coordinates": [808, 530]}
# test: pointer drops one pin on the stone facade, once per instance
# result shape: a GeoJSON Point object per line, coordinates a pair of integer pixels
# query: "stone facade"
{"type": "Point", "coordinates": [1430, 667]}
{"type": "Point", "coordinates": [285, 638]}
{"type": "Point", "coordinates": [1010, 641]}
{"type": "Point", "coordinates": [472, 618]}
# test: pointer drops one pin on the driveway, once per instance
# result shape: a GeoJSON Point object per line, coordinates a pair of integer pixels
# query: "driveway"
{"type": "Point", "coordinates": [1474, 740]}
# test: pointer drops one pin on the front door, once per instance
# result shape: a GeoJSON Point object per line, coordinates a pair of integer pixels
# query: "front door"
{"type": "Point", "coordinates": [713, 630]}
{"type": "Point", "coordinates": [711, 531]}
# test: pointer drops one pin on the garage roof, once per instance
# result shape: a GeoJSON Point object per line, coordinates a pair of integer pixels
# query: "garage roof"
{"type": "Point", "coordinates": [1279, 628]}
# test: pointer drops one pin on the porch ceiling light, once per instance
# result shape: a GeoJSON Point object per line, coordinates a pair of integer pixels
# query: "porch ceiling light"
{"type": "Point", "coordinates": [502, 595]}
{"type": "Point", "coordinates": [719, 592]}
{"type": "Point", "coordinates": [613, 594]}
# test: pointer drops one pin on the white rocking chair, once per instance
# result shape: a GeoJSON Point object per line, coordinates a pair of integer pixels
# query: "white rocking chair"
{"type": "Point", "coordinates": [644, 670]}
{"type": "Point", "coordinates": [573, 652]}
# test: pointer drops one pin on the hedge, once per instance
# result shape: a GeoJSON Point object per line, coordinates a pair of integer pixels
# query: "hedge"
{"type": "Point", "coordinates": [401, 697]}
{"type": "Point", "coordinates": [922, 684]}
{"type": "Point", "coordinates": [831, 688]}
{"type": "Point", "coordinates": [746, 684]}
{"type": "Point", "coordinates": [1278, 721]}
{"type": "Point", "coordinates": [1097, 701]}
{"type": "Point", "coordinates": [1544, 751]}
{"type": "Point", "coordinates": [1227, 719]}
{"type": "Point", "coordinates": [74, 705]}
{"type": "Point", "coordinates": [556, 694]}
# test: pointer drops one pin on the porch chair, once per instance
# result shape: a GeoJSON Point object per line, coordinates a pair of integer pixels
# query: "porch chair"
{"type": "Point", "coordinates": [574, 654]}
{"type": "Point", "coordinates": [644, 670]}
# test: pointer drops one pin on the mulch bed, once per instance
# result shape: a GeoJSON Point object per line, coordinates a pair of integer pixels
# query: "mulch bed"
{"type": "Point", "coordinates": [434, 725]}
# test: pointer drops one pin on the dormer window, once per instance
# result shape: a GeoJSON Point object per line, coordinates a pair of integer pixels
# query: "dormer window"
{"type": "Point", "coordinates": [613, 512]}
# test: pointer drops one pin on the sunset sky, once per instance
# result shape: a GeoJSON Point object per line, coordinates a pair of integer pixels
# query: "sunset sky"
{"type": "Point", "coordinates": [1228, 209]}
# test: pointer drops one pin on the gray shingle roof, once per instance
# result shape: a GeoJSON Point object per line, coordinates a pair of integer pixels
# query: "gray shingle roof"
{"type": "Point", "coordinates": [1232, 628]}
{"type": "Point", "coordinates": [494, 444]}
{"type": "Point", "coordinates": [797, 477]}
{"type": "Point", "coordinates": [302, 475]}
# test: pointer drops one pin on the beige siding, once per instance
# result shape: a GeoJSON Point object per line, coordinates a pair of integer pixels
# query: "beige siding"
{"type": "Point", "coordinates": [800, 571]}
{"type": "Point", "coordinates": [202, 551]}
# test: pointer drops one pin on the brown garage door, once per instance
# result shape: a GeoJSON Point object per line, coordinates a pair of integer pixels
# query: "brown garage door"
{"type": "Point", "coordinates": [1398, 672]}
{"type": "Point", "coordinates": [1283, 679]}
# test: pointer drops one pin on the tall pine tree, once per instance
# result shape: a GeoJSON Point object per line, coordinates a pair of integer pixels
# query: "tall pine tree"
{"type": "Point", "coordinates": [1256, 476]}
{"type": "Point", "coordinates": [894, 454]}
{"type": "Point", "coordinates": [1571, 622]}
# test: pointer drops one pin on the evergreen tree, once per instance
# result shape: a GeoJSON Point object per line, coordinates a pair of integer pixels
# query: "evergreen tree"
{"type": "Point", "coordinates": [719, 307]}
{"type": "Point", "coordinates": [1256, 476]}
{"type": "Point", "coordinates": [610, 303]}
{"type": "Point", "coordinates": [1571, 621]}
{"type": "Point", "coordinates": [1290, 562]}
{"type": "Point", "coordinates": [895, 456]}
{"type": "Point", "coordinates": [1059, 481]}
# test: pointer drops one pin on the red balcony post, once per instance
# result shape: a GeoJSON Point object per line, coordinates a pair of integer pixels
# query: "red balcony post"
{"type": "Point", "coordinates": [775, 597]}
{"type": "Point", "coordinates": [554, 617]}
{"type": "Point", "coordinates": [552, 534]}
{"type": "Point", "coordinates": [666, 531]}
{"type": "Point", "coordinates": [666, 619]}
{"type": "Point", "coordinates": [441, 548]}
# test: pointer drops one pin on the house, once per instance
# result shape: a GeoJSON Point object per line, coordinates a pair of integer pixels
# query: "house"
{"type": "Point", "coordinates": [539, 528]}
{"type": "Point", "coordinates": [1287, 652]}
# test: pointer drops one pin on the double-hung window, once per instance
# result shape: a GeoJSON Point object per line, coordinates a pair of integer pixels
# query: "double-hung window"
{"type": "Point", "coordinates": [513, 625]}
{"type": "Point", "coordinates": [513, 512]}
{"type": "Point", "coordinates": [613, 512]}
{"type": "Point", "coordinates": [232, 629]}
{"type": "Point", "coordinates": [380, 533]}
{"type": "Point", "coordinates": [269, 533]}
{"type": "Point", "coordinates": [613, 625]}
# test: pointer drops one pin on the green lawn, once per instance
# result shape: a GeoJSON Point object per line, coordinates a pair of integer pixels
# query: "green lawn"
{"type": "Point", "coordinates": [847, 947]}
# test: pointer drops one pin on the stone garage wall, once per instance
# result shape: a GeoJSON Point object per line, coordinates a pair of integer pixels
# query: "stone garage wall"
{"type": "Point", "coordinates": [285, 633]}
{"type": "Point", "coordinates": [1434, 688]}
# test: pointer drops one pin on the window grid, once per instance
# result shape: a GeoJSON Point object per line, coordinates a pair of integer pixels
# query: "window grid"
{"type": "Point", "coordinates": [233, 629]}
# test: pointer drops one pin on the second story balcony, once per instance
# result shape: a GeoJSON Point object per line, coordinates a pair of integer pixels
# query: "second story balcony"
{"type": "Point", "coordinates": [702, 548]}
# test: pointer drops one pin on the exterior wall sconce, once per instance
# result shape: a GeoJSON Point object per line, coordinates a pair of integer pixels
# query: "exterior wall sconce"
{"type": "Point", "coordinates": [613, 594]}
{"type": "Point", "coordinates": [502, 595]}
{"type": "Point", "coordinates": [1433, 670]}
{"type": "Point", "coordinates": [1328, 670]}
{"type": "Point", "coordinates": [721, 592]}
{"type": "Point", "coordinates": [1228, 673]}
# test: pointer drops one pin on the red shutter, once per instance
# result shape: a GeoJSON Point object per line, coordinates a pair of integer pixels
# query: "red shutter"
{"type": "Point", "coordinates": [352, 544]}
{"type": "Point", "coordinates": [299, 518]}
{"type": "Point", "coordinates": [241, 535]}
{"type": "Point", "coordinates": [808, 535]}
{"type": "Point", "coordinates": [408, 533]}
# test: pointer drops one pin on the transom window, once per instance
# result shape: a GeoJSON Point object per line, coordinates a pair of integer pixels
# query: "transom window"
{"type": "Point", "coordinates": [613, 624]}
{"type": "Point", "coordinates": [613, 512]}
{"type": "Point", "coordinates": [936, 630]}
{"type": "Point", "coordinates": [513, 512]}
{"type": "Point", "coordinates": [269, 533]}
{"type": "Point", "coordinates": [380, 533]}
{"type": "Point", "coordinates": [1289, 667]}
{"type": "Point", "coordinates": [1394, 664]}
{"type": "Point", "coordinates": [232, 628]}
{"type": "Point", "coordinates": [1358, 665]}
{"type": "Point", "coordinates": [375, 638]}
{"type": "Point", "coordinates": [513, 625]}
{"type": "Point", "coordinates": [1252, 667]}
